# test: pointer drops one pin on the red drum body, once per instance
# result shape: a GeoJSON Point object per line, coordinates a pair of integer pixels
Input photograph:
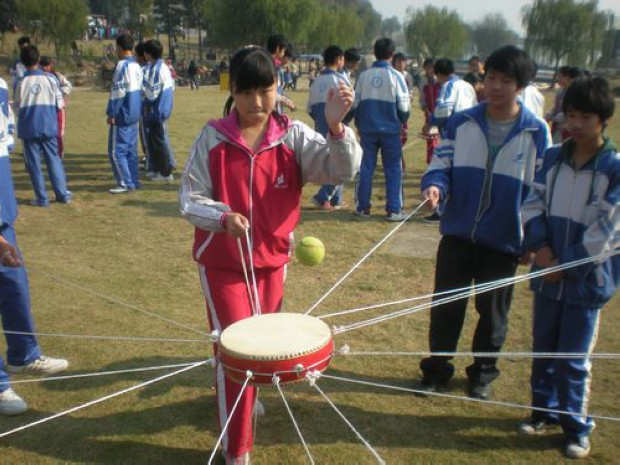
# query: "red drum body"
{"type": "Point", "coordinates": [286, 345]}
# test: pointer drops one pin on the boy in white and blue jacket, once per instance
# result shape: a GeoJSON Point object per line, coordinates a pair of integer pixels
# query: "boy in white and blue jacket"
{"type": "Point", "coordinates": [159, 97]}
{"type": "Point", "coordinates": [382, 106]}
{"type": "Point", "coordinates": [573, 213]}
{"type": "Point", "coordinates": [483, 169]}
{"type": "Point", "coordinates": [329, 196]}
{"type": "Point", "coordinates": [39, 99]}
{"type": "Point", "coordinates": [124, 108]}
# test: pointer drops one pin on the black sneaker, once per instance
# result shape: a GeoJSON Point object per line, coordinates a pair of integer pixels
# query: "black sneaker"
{"type": "Point", "coordinates": [479, 391]}
{"type": "Point", "coordinates": [432, 219]}
{"type": "Point", "coordinates": [425, 388]}
{"type": "Point", "coordinates": [537, 427]}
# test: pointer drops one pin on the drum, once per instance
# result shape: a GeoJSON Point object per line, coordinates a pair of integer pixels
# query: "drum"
{"type": "Point", "coordinates": [287, 345]}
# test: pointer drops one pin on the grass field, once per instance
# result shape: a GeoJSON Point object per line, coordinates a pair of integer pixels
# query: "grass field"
{"type": "Point", "coordinates": [136, 249]}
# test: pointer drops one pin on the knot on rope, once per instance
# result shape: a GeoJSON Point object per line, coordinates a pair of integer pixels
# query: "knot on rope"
{"type": "Point", "coordinates": [344, 350]}
{"type": "Point", "coordinates": [312, 377]}
{"type": "Point", "coordinates": [275, 380]}
{"type": "Point", "coordinates": [215, 335]}
{"type": "Point", "coordinates": [212, 361]}
{"type": "Point", "coordinates": [249, 374]}
{"type": "Point", "coordinates": [336, 329]}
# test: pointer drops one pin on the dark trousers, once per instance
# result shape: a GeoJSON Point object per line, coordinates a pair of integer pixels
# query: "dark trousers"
{"type": "Point", "coordinates": [459, 263]}
{"type": "Point", "coordinates": [159, 148]}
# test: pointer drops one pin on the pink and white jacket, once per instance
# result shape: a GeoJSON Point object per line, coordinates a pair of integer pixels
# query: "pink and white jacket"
{"type": "Point", "coordinates": [223, 175]}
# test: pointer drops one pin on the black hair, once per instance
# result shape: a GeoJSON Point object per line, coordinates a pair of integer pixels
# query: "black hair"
{"type": "Point", "coordinates": [352, 54]}
{"type": "Point", "coordinates": [139, 49]}
{"type": "Point", "coordinates": [154, 48]}
{"type": "Point", "coordinates": [45, 61]}
{"type": "Point", "coordinates": [398, 57]}
{"type": "Point", "coordinates": [250, 68]}
{"type": "Point", "coordinates": [125, 42]}
{"type": "Point", "coordinates": [512, 62]}
{"type": "Point", "coordinates": [574, 72]}
{"type": "Point", "coordinates": [590, 95]}
{"type": "Point", "coordinates": [534, 70]}
{"type": "Point", "coordinates": [276, 41]}
{"type": "Point", "coordinates": [473, 78]}
{"type": "Point", "coordinates": [332, 54]}
{"type": "Point", "coordinates": [444, 67]}
{"type": "Point", "coordinates": [384, 48]}
{"type": "Point", "coordinates": [23, 40]}
{"type": "Point", "coordinates": [29, 56]}
{"type": "Point", "coordinates": [474, 57]}
{"type": "Point", "coordinates": [427, 62]}
{"type": "Point", "coordinates": [564, 70]}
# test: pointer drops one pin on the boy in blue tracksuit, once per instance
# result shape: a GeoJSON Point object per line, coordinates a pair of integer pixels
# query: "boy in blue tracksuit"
{"type": "Point", "coordinates": [483, 169]}
{"type": "Point", "coordinates": [39, 98]}
{"type": "Point", "coordinates": [329, 196]}
{"type": "Point", "coordinates": [124, 108]}
{"type": "Point", "coordinates": [573, 213]}
{"type": "Point", "coordinates": [159, 97]}
{"type": "Point", "coordinates": [382, 106]}
{"type": "Point", "coordinates": [24, 354]}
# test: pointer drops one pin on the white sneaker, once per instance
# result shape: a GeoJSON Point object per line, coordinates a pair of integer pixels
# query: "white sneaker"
{"type": "Point", "coordinates": [577, 448]}
{"type": "Point", "coordinates": [395, 217]}
{"type": "Point", "coordinates": [11, 403]}
{"type": "Point", "coordinates": [161, 178]}
{"type": "Point", "coordinates": [118, 190]}
{"type": "Point", "coordinates": [43, 365]}
{"type": "Point", "coordinates": [151, 174]}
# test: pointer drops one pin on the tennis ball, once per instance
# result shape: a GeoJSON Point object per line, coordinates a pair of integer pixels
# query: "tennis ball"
{"type": "Point", "coordinates": [310, 251]}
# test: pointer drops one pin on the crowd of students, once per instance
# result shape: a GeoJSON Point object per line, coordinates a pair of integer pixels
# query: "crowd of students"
{"type": "Point", "coordinates": [501, 193]}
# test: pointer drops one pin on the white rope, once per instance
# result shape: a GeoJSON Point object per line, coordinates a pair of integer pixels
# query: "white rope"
{"type": "Point", "coordinates": [248, 377]}
{"type": "Point", "coordinates": [349, 424]}
{"type": "Point", "coordinates": [370, 252]}
{"type": "Point", "coordinates": [493, 285]}
{"type": "Point", "coordinates": [99, 373]}
{"type": "Point", "coordinates": [248, 241]}
{"type": "Point", "coordinates": [558, 355]}
{"type": "Point", "coordinates": [246, 277]}
{"type": "Point", "coordinates": [276, 382]}
{"type": "Point", "coordinates": [108, 338]}
{"type": "Point", "coordinates": [117, 301]}
{"type": "Point", "coordinates": [470, 399]}
{"type": "Point", "coordinates": [102, 399]}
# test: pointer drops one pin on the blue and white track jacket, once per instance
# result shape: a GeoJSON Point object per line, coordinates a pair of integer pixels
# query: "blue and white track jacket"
{"type": "Point", "coordinates": [8, 205]}
{"type": "Point", "coordinates": [382, 103]}
{"type": "Point", "coordinates": [159, 91]}
{"type": "Point", "coordinates": [484, 195]}
{"type": "Point", "coordinates": [38, 98]}
{"type": "Point", "coordinates": [577, 214]}
{"type": "Point", "coordinates": [455, 95]}
{"type": "Point", "coordinates": [125, 103]}
{"type": "Point", "coordinates": [318, 97]}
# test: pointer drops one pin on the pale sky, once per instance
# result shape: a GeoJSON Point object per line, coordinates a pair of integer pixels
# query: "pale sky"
{"type": "Point", "coordinates": [473, 10]}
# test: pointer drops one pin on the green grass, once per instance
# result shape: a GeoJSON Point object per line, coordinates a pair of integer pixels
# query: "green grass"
{"type": "Point", "coordinates": [137, 249]}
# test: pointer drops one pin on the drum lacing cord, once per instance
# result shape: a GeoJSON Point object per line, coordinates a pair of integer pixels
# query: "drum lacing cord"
{"type": "Point", "coordinates": [248, 377]}
{"type": "Point", "coordinates": [349, 424]}
{"type": "Point", "coordinates": [370, 252]}
{"type": "Point", "coordinates": [252, 288]}
{"type": "Point", "coordinates": [276, 382]}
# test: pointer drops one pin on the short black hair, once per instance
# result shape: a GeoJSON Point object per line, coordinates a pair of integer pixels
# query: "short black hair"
{"type": "Point", "coordinates": [590, 95]}
{"type": "Point", "coordinates": [23, 40]}
{"type": "Point", "coordinates": [474, 57]}
{"type": "Point", "coordinates": [473, 78]}
{"type": "Point", "coordinates": [352, 54]}
{"type": "Point", "coordinates": [512, 62]}
{"type": "Point", "coordinates": [154, 48]}
{"type": "Point", "coordinates": [332, 54]}
{"type": "Point", "coordinates": [29, 56]}
{"type": "Point", "coordinates": [139, 49]}
{"type": "Point", "coordinates": [444, 67]}
{"type": "Point", "coordinates": [251, 68]}
{"type": "Point", "coordinates": [276, 41]}
{"type": "Point", "coordinates": [125, 42]}
{"type": "Point", "coordinates": [384, 48]}
{"type": "Point", "coordinates": [428, 62]}
{"type": "Point", "coordinates": [45, 61]}
{"type": "Point", "coordinates": [398, 57]}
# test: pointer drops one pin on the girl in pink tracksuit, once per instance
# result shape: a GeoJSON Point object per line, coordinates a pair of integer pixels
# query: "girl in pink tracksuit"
{"type": "Point", "coordinates": [245, 174]}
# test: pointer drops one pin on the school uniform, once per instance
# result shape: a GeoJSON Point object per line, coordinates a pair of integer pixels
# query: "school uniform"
{"type": "Point", "coordinates": [483, 186]}
{"type": "Point", "coordinates": [575, 212]}
{"type": "Point", "coordinates": [382, 106]}
{"type": "Point", "coordinates": [125, 106]}
{"type": "Point", "coordinates": [39, 99]}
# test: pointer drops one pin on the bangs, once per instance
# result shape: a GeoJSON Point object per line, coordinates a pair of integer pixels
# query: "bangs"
{"type": "Point", "coordinates": [251, 68]}
{"type": "Point", "coordinates": [590, 95]}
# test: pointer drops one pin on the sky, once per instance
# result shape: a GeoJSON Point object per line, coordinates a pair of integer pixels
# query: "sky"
{"type": "Point", "coordinates": [473, 10]}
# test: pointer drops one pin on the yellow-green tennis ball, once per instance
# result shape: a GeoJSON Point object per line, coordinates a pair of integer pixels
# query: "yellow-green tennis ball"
{"type": "Point", "coordinates": [310, 251]}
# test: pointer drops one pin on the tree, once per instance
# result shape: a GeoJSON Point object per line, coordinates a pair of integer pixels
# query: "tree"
{"type": "Point", "coordinates": [8, 18]}
{"type": "Point", "coordinates": [59, 21]}
{"type": "Point", "coordinates": [436, 32]}
{"type": "Point", "coordinates": [390, 26]}
{"type": "Point", "coordinates": [492, 33]}
{"type": "Point", "coordinates": [565, 29]}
